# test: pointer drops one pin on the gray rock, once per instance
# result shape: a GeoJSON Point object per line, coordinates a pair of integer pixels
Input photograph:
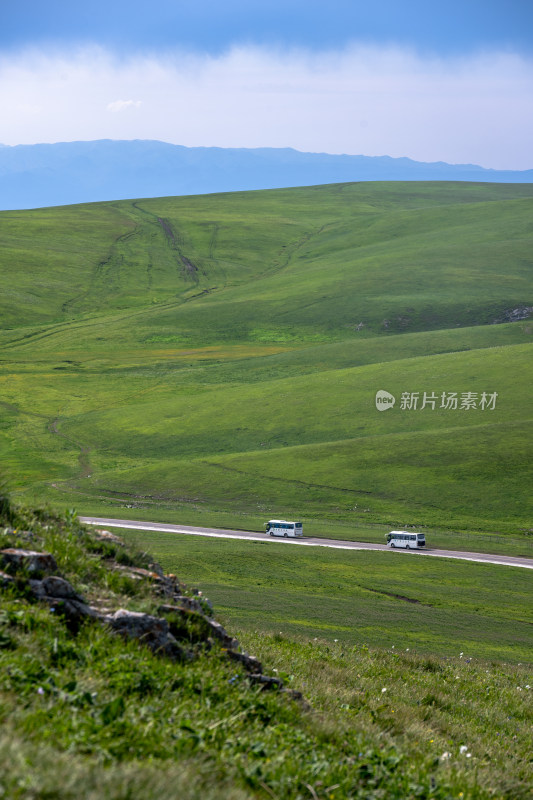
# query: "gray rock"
{"type": "Point", "coordinates": [190, 603]}
{"type": "Point", "coordinates": [206, 629]}
{"type": "Point", "coordinates": [62, 598]}
{"type": "Point", "coordinates": [136, 573]}
{"type": "Point", "coordinates": [220, 633]}
{"type": "Point", "coordinates": [250, 663]}
{"type": "Point", "coordinates": [55, 586]}
{"type": "Point", "coordinates": [107, 536]}
{"type": "Point", "coordinates": [266, 682]}
{"type": "Point", "coordinates": [150, 630]}
{"type": "Point", "coordinates": [5, 579]}
{"type": "Point", "coordinates": [16, 560]}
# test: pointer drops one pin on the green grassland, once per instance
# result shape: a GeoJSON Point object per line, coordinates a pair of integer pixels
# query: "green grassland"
{"type": "Point", "coordinates": [86, 714]}
{"type": "Point", "coordinates": [215, 359]}
{"type": "Point", "coordinates": [380, 599]}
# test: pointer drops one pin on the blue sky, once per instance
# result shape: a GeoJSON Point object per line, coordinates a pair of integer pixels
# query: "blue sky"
{"type": "Point", "coordinates": [430, 80]}
{"type": "Point", "coordinates": [448, 27]}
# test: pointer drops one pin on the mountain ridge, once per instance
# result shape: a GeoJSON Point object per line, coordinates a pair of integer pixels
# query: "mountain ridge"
{"type": "Point", "coordinates": [65, 173]}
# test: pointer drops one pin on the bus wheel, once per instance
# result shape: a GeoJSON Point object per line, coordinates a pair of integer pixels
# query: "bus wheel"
{"type": "Point", "coordinates": [392, 544]}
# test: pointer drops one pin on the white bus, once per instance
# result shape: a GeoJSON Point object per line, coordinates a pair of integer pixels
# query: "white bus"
{"type": "Point", "coordinates": [406, 539]}
{"type": "Point", "coordinates": [280, 527]}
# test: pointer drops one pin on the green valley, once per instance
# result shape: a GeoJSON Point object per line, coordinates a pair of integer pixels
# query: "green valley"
{"type": "Point", "coordinates": [215, 359]}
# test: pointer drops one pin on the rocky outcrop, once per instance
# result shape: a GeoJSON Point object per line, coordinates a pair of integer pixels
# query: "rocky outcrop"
{"type": "Point", "coordinates": [150, 630]}
{"type": "Point", "coordinates": [164, 585]}
{"type": "Point", "coordinates": [107, 536]}
{"type": "Point", "coordinates": [184, 619]}
{"type": "Point", "coordinates": [185, 622]}
{"type": "Point", "coordinates": [182, 601]}
{"type": "Point", "coordinates": [15, 559]}
{"type": "Point", "coordinates": [63, 599]}
{"type": "Point", "coordinates": [250, 663]}
{"type": "Point", "coordinates": [514, 315]}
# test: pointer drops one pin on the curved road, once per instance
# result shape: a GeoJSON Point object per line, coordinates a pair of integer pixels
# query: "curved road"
{"type": "Point", "coordinates": [486, 558]}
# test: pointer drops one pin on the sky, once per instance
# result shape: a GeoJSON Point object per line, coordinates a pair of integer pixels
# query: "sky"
{"type": "Point", "coordinates": [433, 81]}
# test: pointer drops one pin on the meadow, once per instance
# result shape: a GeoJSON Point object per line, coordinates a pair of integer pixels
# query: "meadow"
{"type": "Point", "coordinates": [87, 713]}
{"type": "Point", "coordinates": [215, 359]}
{"type": "Point", "coordinates": [358, 598]}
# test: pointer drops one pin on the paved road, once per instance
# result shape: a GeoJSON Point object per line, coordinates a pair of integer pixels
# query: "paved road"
{"type": "Point", "coordinates": [509, 561]}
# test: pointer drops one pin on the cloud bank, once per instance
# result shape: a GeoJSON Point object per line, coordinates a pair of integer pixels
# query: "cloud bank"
{"type": "Point", "coordinates": [364, 100]}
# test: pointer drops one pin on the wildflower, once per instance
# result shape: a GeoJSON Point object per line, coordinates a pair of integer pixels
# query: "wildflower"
{"type": "Point", "coordinates": [528, 686]}
{"type": "Point", "coordinates": [460, 655]}
{"type": "Point", "coordinates": [406, 649]}
{"type": "Point", "coordinates": [384, 689]}
{"type": "Point", "coordinates": [519, 688]}
{"type": "Point", "coordinates": [445, 756]}
{"type": "Point", "coordinates": [335, 640]}
{"type": "Point", "coordinates": [40, 690]}
{"type": "Point", "coordinates": [463, 749]}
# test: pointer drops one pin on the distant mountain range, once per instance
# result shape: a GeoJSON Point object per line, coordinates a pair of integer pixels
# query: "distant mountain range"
{"type": "Point", "coordinates": [38, 175]}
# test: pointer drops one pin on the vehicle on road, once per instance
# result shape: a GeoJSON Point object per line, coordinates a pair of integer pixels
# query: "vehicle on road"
{"type": "Point", "coordinates": [411, 541]}
{"type": "Point", "coordinates": [280, 527]}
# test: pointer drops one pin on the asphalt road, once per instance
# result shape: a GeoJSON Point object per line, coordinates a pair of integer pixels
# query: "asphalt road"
{"type": "Point", "coordinates": [486, 558]}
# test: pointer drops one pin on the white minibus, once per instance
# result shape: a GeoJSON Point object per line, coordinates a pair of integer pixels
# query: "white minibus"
{"type": "Point", "coordinates": [280, 527]}
{"type": "Point", "coordinates": [406, 539]}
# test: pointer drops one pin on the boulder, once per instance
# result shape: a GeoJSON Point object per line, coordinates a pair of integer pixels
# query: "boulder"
{"type": "Point", "coordinates": [54, 586]}
{"type": "Point", "coordinates": [250, 663]}
{"type": "Point", "coordinates": [189, 622]}
{"type": "Point", "coordinates": [221, 634]}
{"type": "Point", "coordinates": [266, 682]}
{"type": "Point", "coordinates": [30, 561]}
{"type": "Point", "coordinates": [107, 536]}
{"type": "Point", "coordinates": [150, 630]}
{"type": "Point", "coordinates": [62, 599]}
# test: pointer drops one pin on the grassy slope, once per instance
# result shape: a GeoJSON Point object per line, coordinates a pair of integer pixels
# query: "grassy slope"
{"type": "Point", "coordinates": [201, 357]}
{"type": "Point", "coordinates": [84, 713]}
{"type": "Point", "coordinates": [432, 606]}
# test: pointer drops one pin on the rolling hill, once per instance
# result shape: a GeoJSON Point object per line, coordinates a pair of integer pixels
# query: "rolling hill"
{"type": "Point", "coordinates": [217, 357]}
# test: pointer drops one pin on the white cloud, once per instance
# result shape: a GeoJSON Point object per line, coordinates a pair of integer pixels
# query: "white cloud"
{"type": "Point", "coordinates": [365, 100]}
{"type": "Point", "coordinates": [122, 105]}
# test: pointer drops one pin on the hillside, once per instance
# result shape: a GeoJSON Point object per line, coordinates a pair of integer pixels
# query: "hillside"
{"type": "Point", "coordinates": [117, 682]}
{"type": "Point", "coordinates": [216, 358]}
{"type": "Point", "coordinates": [38, 175]}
